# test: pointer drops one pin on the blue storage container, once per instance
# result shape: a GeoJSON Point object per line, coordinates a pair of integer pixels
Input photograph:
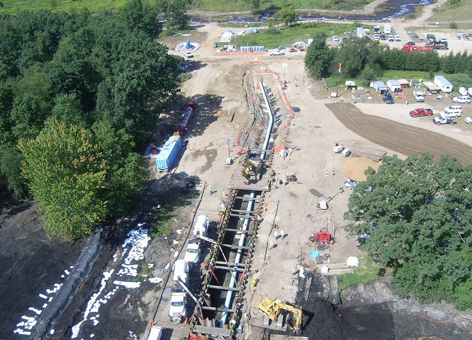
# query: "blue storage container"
{"type": "Point", "coordinates": [166, 158]}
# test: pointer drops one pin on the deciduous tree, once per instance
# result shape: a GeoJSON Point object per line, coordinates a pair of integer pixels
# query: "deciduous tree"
{"type": "Point", "coordinates": [416, 217]}
{"type": "Point", "coordinates": [66, 172]}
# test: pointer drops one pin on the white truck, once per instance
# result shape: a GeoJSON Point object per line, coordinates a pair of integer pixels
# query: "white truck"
{"type": "Point", "coordinates": [419, 96]}
{"type": "Point", "coordinates": [178, 307]}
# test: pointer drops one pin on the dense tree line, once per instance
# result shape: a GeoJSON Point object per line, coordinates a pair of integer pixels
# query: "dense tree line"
{"type": "Point", "coordinates": [78, 95]}
{"type": "Point", "coordinates": [367, 59]}
{"type": "Point", "coordinates": [415, 216]}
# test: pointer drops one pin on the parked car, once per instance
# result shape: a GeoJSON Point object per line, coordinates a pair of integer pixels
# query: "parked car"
{"type": "Point", "coordinates": [441, 120]}
{"type": "Point", "coordinates": [443, 40]}
{"type": "Point", "coordinates": [387, 97]}
{"type": "Point", "coordinates": [421, 113]}
{"type": "Point", "coordinates": [376, 37]}
{"type": "Point", "coordinates": [391, 38]}
{"type": "Point", "coordinates": [461, 99]}
{"type": "Point", "coordinates": [383, 37]}
{"type": "Point", "coordinates": [468, 120]}
{"type": "Point", "coordinates": [397, 38]}
{"type": "Point", "coordinates": [188, 54]}
{"type": "Point", "coordinates": [192, 253]}
{"type": "Point", "coordinates": [410, 43]}
{"type": "Point", "coordinates": [350, 183]}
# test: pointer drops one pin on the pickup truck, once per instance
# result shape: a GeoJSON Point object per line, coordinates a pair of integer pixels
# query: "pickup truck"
{"type": "Point", "coordinates": [419, 96]}
{"type": "Point", "coordinates": [277, 52]}
{"type": "Point", "coordinates": [421, 113]}
{"type": "Point", "coordinates": [178, 307]}
{"type": "Point", "coordinates": [441, 120]}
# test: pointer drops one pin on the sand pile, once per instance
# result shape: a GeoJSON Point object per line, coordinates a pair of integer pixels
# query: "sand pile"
{"type": "Point", "coordinates": [354, 167]}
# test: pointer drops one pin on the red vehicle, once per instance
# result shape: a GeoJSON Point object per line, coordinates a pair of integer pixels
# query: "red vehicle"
{"type": "Point", "coordinates": [417, 49]}
{"type": "Point", "coordinates": [421, 113]}
{"type": "Point", "coordinates": [185, 124]}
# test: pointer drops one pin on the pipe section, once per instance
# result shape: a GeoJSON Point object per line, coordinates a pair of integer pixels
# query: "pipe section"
{"type": "Point", "coordinates": [232, 283]}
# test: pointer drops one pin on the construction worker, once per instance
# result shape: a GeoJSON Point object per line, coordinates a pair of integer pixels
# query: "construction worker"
{"type": "Point", "coordinates": [276, 234]}
{"type": "Point", "coordinates": [259, 218]}
{"type": "Point", "coordinates": [271, 245]}
{"type": "Point", "coordinates": [211, 190]}
{"type": "Point", "coordinates": [282, 234]}
{"type": "Point", "coordinates": [294, 271]}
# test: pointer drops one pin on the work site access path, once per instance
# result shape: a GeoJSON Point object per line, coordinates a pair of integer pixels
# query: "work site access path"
{"type": "Point", "coordinates": [224, 273]}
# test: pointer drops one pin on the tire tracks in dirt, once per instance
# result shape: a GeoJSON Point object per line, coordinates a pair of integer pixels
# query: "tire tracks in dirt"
{"type": "Point", "coordinates": [399, 137]}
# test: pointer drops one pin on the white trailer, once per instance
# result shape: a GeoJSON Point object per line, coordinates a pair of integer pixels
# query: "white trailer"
{"type": "Point", "coordinates": [360, 32]}
{"type": "Point", "coordinates": [394, 86]}
{"type": "Point", "coordinates": [387, 29]}
{"type": "Point", "coordinates": [379, 86]}
{"type": "Point", "coordinates": [444, 84]}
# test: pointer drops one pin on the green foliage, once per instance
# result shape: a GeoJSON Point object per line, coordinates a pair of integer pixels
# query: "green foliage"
{"type": "Point", "coordinates": [453, 25]}
{"type": "Point", "coordinates": [287, 36]}
{"type": "Point", "coordinates": [10, 162]}
{"type": "Point", "coordinates": [360, 275]}
{"type": "Point", "coordinates": [368, 60]}
{"type": "Point", "coordinates": [288, 16]}
{"type": "Point", "coordinates": [418, 215]}
{"type": "Point", "coordinates": [104, 71]}
{"type": "Point", "coordinates": [139, 15]}
{"type": "Point", "coordinates": [66, 172]}
{"type": "Point", "coordinates": [126, 170]}
{"type": "Point", "coordinates": [173, 12]}
{"type": "Point", "coordinates": [319, 57]}
{"type": "Point", "coordinates": [67, 109]}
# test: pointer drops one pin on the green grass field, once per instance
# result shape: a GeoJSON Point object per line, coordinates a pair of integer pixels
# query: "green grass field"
{"type": "Point", "coordinates": [288, 36]}
{"type": "Point", "coordinates": [459, 12]}
{"type": "Point", "coordinates": [13, 6]}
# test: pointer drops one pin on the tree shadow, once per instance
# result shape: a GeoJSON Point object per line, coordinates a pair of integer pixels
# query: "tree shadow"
{"type": "Point", "coordinates": [209, 108]}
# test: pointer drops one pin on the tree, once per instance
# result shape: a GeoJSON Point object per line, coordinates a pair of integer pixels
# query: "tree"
{"type": "Point", "coordinates": [353, 56]}
{"type": "Point", "coordinates": [173, 12]}
{"type": "Point", "coordinates": [141, 16]}
{"type": "Point", "coordinates": [67, 109]}
{"type": "Point", "coordinates": [415, 216]}
{"type": "Point", "coordinates": [10, 161]}
{"type": "Point", "coordinates": [65, 170]}
{"type": "Point", "coordinates": [288, 16]}
{"type": "Point", "coordinates": [319, 57]}
{"type": "Point", "coordinates": [126, 171]}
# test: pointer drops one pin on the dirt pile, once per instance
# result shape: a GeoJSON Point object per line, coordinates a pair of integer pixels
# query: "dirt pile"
{"type": "Point", "coordinates": [325, 322]}
{"type": "Point", "coordinates": [354, 167]}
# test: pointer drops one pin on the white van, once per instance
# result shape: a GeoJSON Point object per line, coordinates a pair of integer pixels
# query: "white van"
{"type": "Point", "coordinates": [155, 333]}
{"type": "Point", "coordinates": [201, 226]}
{"type": "Point", "coordinates": [452, 111]}
{"type": "Point", "coordinates": [181, 271]}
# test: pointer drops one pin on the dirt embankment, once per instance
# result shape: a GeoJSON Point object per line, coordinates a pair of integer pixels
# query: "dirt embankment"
{"type": "Point", "coordinates": [400, 137]}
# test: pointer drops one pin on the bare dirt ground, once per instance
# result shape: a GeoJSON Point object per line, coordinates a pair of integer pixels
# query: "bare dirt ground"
{"type": "Point", "coordinates": [220, 85]}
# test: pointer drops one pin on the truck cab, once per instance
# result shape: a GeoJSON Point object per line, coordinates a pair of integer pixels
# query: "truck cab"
{"type": "Point", "coordinates": [178, 307]}
{"type": "Point", "coordinates": [419, 96]}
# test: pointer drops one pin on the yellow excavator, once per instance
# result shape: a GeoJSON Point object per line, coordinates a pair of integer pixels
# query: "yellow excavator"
{"type": "Point", "coordinates": [273, 308]}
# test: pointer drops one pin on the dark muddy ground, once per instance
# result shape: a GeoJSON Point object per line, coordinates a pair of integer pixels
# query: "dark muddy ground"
{"type": "Point", "coordinates": [29, 264]}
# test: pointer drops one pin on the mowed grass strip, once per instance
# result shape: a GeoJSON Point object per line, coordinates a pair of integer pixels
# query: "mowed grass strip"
{"type": "Point", "coordinates": [93, 6]}
{"type": "Point", "coordinates": [13, 6]}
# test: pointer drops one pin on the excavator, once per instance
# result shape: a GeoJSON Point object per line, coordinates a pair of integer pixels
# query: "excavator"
{"type": "Point", "coordinates": [252, 166]}
{"type": "Point", "coordinates": [274, 308]}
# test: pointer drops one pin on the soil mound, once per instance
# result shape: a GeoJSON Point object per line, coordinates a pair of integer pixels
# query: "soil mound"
{"type": "Point", "coordinates": [354, 167]}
